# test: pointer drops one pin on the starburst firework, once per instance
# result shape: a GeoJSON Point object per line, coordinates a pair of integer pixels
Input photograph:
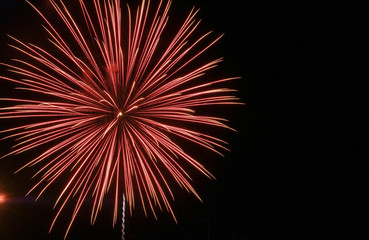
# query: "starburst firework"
{"type": "Point", "coordinates": [115, 98]}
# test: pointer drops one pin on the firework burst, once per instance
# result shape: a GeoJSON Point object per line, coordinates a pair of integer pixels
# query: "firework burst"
{"type": "Point", "coordinates": [116, 95]}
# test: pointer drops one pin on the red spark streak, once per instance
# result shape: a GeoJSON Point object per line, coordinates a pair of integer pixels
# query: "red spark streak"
{"type": "Point", "coordinates": [118, 102]}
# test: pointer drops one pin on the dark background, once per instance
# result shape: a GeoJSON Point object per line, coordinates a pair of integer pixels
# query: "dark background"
{"type": "Point", "coordinates": [298, 164]}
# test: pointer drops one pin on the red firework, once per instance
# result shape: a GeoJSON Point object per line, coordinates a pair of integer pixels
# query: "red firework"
{"type": "Point", "coordinates": [114, 103]}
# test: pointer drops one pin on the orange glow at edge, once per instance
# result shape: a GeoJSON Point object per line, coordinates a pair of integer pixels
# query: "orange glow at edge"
{"type": "Point", "coordinates": [2, 198]}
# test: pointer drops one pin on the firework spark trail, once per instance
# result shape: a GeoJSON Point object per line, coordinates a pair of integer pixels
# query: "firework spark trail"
{"type": "Point", "coordinates": [118, 103]}
{"type": "Point", "coordinates": [123, 216]}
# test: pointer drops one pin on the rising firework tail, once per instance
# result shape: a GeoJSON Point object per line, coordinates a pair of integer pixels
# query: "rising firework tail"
{"type": "Point", "coordinates": [116, 96]}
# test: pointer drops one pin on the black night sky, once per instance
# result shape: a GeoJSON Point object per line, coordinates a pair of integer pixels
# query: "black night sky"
{"type": "Point", "coordinates": [298, 166]}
